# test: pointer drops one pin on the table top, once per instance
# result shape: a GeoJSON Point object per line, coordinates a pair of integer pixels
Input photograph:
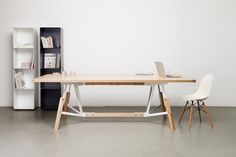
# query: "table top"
{"type": "Point", "coordinates": [155, 79]}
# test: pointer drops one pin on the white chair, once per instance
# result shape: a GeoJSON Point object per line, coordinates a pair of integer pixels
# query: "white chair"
{"type": "Point", "coordinates": [196, 101]}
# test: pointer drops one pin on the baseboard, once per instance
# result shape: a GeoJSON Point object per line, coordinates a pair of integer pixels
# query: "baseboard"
{"type": "Point", "coordinates": [6, 106]}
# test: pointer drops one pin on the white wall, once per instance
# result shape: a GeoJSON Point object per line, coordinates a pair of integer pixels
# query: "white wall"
{"type": "Point", "coordinates": [193, 37]}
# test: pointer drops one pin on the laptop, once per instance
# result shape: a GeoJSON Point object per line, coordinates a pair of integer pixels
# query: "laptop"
{"type": "Point", "coordinates": [161, 71]}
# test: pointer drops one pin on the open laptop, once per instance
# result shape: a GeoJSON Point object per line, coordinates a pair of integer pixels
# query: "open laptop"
{"type": "Point", "coordinates": [161, 71]}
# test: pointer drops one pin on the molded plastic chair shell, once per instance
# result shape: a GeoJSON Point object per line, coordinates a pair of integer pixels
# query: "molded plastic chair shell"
{"type": "Point", "coordinates": [204, 89]}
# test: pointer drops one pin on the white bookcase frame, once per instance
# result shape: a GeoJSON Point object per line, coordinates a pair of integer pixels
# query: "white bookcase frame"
{"type": "Point", "coordinates": [24, 63]}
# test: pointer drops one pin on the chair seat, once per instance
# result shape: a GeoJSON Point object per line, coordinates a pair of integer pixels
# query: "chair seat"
{"type": "Point", "coordinates": [194, 97]}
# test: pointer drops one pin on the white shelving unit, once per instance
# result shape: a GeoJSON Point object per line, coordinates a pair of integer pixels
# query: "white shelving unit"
{"type": "Point", "coordinates": [24, 69]}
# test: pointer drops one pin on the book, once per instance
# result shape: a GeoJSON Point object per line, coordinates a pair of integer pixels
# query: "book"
{"type": "Point", "coordinates": [32, 62]}
{"type": "Point", "coordinates": [41, 60]}
{"type": "Point", "coordinates": [25, 65]}
{"type": "Point", "coordinates": [47, 42]}
{"type": "Point", "coordinates": [58, 61]}
{"type": "Point", "coordinates": [44, 42]}
{"type": "Point", "coordinates": [19, 82]}
{"type": "Point", "coordinates": [16, 81]}
{"type": "Point", "coordinates": [50, 42]}
{"type": "Point", "coordinates": [50, 60]}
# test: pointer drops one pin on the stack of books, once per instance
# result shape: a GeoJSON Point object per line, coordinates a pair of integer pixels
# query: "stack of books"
{"type": "Point", "coordinates": [19, 82]}
{"type": "Point", "coordinates": [52, 60]}
{"type": "Point", "coordinates": [25, 65]}
{"type": "Point", "coordinates": [47, 42]}
{"type": "Point", "coordinates": [28, 64]}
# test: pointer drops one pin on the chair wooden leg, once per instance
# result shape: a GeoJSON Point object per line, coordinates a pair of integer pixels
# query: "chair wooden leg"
{"type": "Point", "coordinates": [181, 116]}
{"type": "Point", "coordinates": [199, 111]}
{"type": "Point", "coordinates": [190, 115]}
{"type": "Point", "coordinates": [208, 115]}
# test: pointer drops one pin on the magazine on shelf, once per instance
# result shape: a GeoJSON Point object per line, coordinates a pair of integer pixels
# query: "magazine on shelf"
{"type": "Point", "coordinates": [50, 60]}
{"type": "Point", "coordinates": [16, 81]}
{"type": "Point", "coordinates": [58, 60]}
{"type": "Point", "coordinates": [19, 82]}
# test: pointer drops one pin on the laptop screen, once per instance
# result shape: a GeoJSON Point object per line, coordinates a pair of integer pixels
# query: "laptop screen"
{"type": "Point", "coordinates": [160, 69]}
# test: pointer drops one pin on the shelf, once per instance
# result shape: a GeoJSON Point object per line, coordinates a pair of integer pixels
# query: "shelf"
{"type": "Point", "coordinates": [24, 89]}
{"type": "Point", "coordinates": [24, 54]}
{"type": "Point", "coordinates": [50, 93]}
{"type": "Point", "coordinates": [24, 47]}
{"type": "Point", "coordinates": [23, 38]}
{"type": "Point", "coordinates": [50, 68]}
{"type": "Point", "coordinates": [50, 48]}
{"type": "Point", "coordinates": [23, 58]}
{"type": "Point", "coordinates": [23, 50]}
{"type": "Point", "coordinates": [49, 71]}
{"type": "Point", "coordinates": [51, 88]}
{"type": "Point", "coordinates": [23, 69]}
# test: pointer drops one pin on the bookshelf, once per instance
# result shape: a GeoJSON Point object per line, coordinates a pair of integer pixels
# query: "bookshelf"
{"type": "Point", "coordinates": [51, 61]}
{"type": "Point", "coordinates": [24, 70]}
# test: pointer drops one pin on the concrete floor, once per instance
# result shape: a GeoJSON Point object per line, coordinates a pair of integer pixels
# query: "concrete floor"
{"type": "Point", "coordinates": [30, 134]}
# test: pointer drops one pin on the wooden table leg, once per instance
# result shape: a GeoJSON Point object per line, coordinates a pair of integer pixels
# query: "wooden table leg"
{"type": "Point", "coordinates": [169, 114]}
{"type": "Point", "coordinates": [162, 102]}
{"type": "Point", "coordinates": [59, 110]}
{"type": "Point", "coordinates": [67, 100]}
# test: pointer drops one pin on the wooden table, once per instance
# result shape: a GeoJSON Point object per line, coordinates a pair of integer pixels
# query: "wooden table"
{"type": "Point", "coordinates": [154, 81]}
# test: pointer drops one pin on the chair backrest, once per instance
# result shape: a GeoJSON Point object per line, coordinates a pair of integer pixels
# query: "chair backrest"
{"type": "Point", "coordinates": [204, 88]}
